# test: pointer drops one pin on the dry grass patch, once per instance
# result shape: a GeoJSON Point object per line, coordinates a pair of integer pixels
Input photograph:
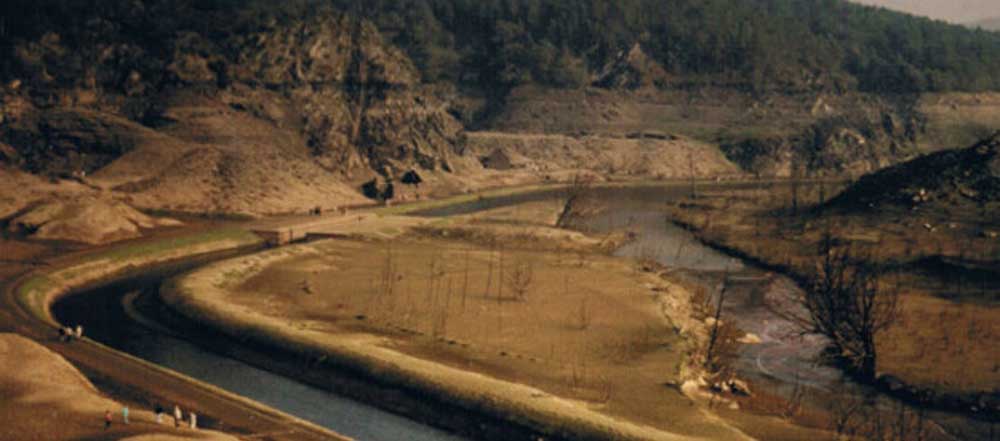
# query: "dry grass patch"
{"type": "Point", "coordinates": [572, 322]}
{"type": "Point", "coordinates": [52, 400]}
{"type": "Point", "coordinates": [587, 328]}
{"type": "Point", "coordinates": [945, 336]}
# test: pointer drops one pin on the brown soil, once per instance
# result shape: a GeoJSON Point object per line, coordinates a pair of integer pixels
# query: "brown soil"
{"type": "Point", "coordinates": [68, 210]}
{"type": "Point", "coordinates": [580, 320]}
{"type": "Point", "coordinates": [52, 400]}
{"type": "Point", "coordinates": [230, 162]}
{"type": "Point", "coordinates": [944, 338]}
{"type": "Point", "coordinates": [19, 190]}
{"type": "Point", "coordinates": [642, 155]}
{"type": "Point", "coordinates": [600, 333]}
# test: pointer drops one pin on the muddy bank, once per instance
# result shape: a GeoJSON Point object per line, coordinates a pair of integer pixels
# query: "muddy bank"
{"type": "Point", "coordinates": [984, 407]}
{"type": "Point", "coordinates": [340, 377]}
{"type": "Point", "coordinates": [361, 361]}
{"type": "Point", "coordinates": [519, 411]}
{"type": "Point", "coordinates": [126, 316]}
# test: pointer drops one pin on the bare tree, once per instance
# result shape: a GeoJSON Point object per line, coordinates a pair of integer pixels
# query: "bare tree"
{"type": "Point", "coordinates": [723, 337]}
{"type": "Point", "coordinates": [898, 423]}
{"type": "Point", "coordinates": [500, 277]}
{"type": "Point", "coordinates": [847, 302]}
{"type": "Point", "coordinates": [846, 414]}
{"type": "Point", "coordinates": [713, 334]}
{"type": "Point", "coordinates": [793, 405]}
{"type": "Point", "coordinates": [795, 180]}
{"type": "Point", "coordinates": [465, 280]}
{"type": "Point", "coordinates": [691, 174]}
{"type": "Point", "coordinates": [583, 316]}
{"type": "Point", "coordinates": [389, 269]}
{"type": "Point", "coordinates": [489, 272]}
{"type": "Point", "coordinates": [520, 277]}
{"type": "Point", "coordinates": [576, 193]}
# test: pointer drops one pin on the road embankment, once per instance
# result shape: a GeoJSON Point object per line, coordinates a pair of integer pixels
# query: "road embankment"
{"type": "Point", "coordinates": [31, 297]}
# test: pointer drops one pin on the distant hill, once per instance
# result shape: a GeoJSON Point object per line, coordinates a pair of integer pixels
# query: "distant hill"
{"type": "Point", "coordinates": [990, 24]}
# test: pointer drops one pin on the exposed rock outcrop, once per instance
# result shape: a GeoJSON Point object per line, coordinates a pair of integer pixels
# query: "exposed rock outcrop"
{"type": "Point", "coordinates": [836, 145]}
{"type": "Point", "coordinates": [969, 176]}
{"type": "Point", "coordinates": [293, 112]}
{"type": "Point", "coordinates": [356, 95]}
{"type": "Point", "coordinates": [661, 158]}
{"type": "Point", "coordinates": [632, 69]}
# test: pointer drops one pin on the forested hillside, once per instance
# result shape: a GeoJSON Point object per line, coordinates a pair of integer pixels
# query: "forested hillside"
{"type": "Point", "coordinates": [369, 83]}
{"type": "Point", "coordinates": [758, 45]}
{"type": "Point", "coordinates": [236, 106]}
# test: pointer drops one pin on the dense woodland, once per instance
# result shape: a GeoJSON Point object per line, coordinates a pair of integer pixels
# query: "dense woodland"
{"type": "Point", "coordinates": [754, 45]}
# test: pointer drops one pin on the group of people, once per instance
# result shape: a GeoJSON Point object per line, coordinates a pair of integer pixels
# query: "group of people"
{"type": "Point", "coordinates": [67, 333]}
{"type": "Point", "coordinates": [159, 411]}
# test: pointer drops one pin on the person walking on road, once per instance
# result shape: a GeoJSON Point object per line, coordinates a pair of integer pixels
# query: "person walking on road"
{"type": "Point", "coordinates": [67, 334]}
{"type": "Point", "coordinates": [193, 417]}
{"type": "Point", "coordinates": [177, 416]}
{"type": "Point", "coordinates": [125, 414]}
{"type": "Point", "coordinates": [159, 413]}
{"type": "Point", "coordinates": [107, 419]}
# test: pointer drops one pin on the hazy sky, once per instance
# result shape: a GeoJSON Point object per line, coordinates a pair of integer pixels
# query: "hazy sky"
{"type": "Point", "coordinates": [958, 11]}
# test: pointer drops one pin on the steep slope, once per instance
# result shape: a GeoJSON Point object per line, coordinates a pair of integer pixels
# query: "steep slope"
{"type": "Point", "coordinates": [227, 162]}
{"type": "Point", "coordinates": [280, 116]}
{"type": "Point", "coordinates": [356, 95]}
{"type": "Point", "coordinates": [945, 180]}
{"type": "Point", "coordinates": [71, 405]}
{"type": "Point", "coordinates": [247, 107]}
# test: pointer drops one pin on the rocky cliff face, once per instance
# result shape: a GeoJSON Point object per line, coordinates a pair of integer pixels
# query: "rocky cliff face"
{"type": "Point", "coordinates": [353, 97]}
{"type": "Point", "coordinates": [210, 113]}
{"type": "Point", "coordinates": [842, 138]}
{"type": "Point", "coordinates": [358, 98]}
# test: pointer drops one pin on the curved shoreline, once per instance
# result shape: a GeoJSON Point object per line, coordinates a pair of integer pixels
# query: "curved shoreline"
{"type": "Point", "coordinates": [34, 293]}
{"type": "Point", "coordinates": [886, 384]}
{"type": "Point", "coordinates": [526, 411]}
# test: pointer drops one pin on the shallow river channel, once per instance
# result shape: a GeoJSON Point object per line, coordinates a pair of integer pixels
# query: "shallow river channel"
{"type": "Point", "coordinates": [779, 359]}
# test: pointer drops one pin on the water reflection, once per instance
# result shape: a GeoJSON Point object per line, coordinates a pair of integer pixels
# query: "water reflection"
{"type": "Point", "coordinates": [101, 313]}
{"type": "Point", "coordinates": [345, 416]}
